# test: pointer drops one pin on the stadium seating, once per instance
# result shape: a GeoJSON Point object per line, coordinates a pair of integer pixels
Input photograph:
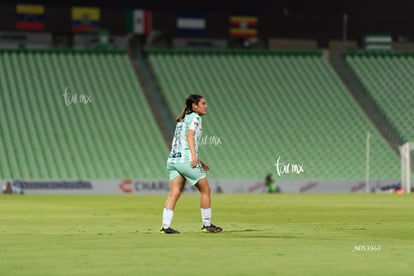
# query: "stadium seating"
{"type": "Point", "coordinates": [388, 78]}
{"type": "Point", "coordinates": [266, 105]}
{"type": "Point", "coordinates": [263, 106]}
{"type": "Point", "coordinates": [42, 136]}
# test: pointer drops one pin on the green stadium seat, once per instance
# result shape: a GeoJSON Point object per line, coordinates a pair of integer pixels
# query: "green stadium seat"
{"type": "Point", "coordinates": [113, 137]}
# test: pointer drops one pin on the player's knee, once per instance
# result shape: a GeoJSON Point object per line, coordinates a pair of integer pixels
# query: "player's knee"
{"type": "Point", "coordinates": [175, 192]}
{"type": "Point", "coordinates": [203, 186]}
{"type": "Point", "coordinates": [208, 190]}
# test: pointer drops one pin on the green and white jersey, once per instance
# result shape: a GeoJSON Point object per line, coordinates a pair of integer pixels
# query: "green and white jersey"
{"type": "Point", "coordinates": [180, 151]}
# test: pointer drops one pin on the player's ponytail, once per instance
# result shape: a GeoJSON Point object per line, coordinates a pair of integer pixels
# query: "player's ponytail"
{"type": "Point", "coordinates": [193, 98]}
{"type": "Point", "coordinates": [181, 115]}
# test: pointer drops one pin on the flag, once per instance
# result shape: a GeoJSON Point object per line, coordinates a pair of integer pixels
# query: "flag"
{"type": "Point", "coordinates": [139, 21]}
{"type": "Point", "coordinates": [192, 24]}
{"type": "Point", "coordinates": [85, 18]}
{"type": "Point", "coordinates": [243, 26]}
{"type": "Point", "coordinates": [30, 17]}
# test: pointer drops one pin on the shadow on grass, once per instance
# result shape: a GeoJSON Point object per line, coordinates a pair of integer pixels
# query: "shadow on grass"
{"type": "Point", "coordinates": [257, 234]}
{"type": "Point", "coordinates": [242, 231]}
{"type": "Point", "coordinates": [239, 233]}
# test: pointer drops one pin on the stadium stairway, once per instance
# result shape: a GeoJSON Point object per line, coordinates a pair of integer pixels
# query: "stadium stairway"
{"type": "Point", "coordinates": [388, 80]}
{"type": "Point", "coordinates": [149, 85]}
{"type": "Point", "coordinates": [365, 100]}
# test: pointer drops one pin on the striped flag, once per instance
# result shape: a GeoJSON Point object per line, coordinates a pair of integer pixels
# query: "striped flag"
{"type": "Point", "coordinates": [139, 21]}
{"type": "Point", "coordinates": [85, 18]}
{"type": "Point", "coordinates": [192, 24]}
{"type": "Point", "coordinates": [30, 17]}
{"type": "Point", "coordinates": [243, 26]}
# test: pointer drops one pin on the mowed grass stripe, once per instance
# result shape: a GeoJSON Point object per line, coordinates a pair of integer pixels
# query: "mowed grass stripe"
{"type": "Point", "coordinates": [282, 234]}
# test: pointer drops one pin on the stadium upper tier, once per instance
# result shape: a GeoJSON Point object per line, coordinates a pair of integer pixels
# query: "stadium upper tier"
{"type": "Point", "coordinates": [265, 106]}
{"type": "Point", "coordinates": [106, 131]}
{"type": "Point", "coordinates": [389, 80]}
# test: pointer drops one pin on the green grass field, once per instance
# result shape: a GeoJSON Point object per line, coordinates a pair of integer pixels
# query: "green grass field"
{"type": "Point", "coordinates": [283, 234]}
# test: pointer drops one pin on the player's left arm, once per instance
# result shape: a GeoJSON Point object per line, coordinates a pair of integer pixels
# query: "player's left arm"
{"type": "Point", "coordinates": [191, 145]}
{"type": "Point", "coordinates": [204, 165]}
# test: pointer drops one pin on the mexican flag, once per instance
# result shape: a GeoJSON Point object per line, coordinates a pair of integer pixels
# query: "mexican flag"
{"type": "Point", "coordinates": [139, 21]}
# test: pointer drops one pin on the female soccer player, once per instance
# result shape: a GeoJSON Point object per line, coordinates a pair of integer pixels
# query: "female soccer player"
{"type": "Point", "coordinates": [183, 165]}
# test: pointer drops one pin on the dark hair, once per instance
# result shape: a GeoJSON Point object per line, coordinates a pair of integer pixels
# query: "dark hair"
{"type": "Point", "coordinates": [189, 101]}
{"type": "Point", "coordinates": [269, 177]}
